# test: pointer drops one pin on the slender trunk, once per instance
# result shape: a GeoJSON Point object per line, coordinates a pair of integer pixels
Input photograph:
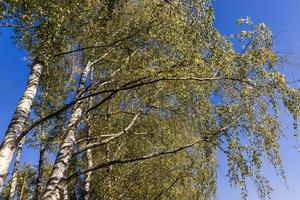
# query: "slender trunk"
{"type": "Point", "coordinates": [88, 175]}
{"type": "Point", "coordinates": [108, 159]}
{"type": "Point", "coordinates": [65, 153]}
{"type": "Point", "coordinates": [15, 171]}
{"type": "Point", "coordinates": [23, 188]}
{"type": "Point", "coordinates": [17, 124]}
{"type": "Point", "coordinates": [65, 191]}
{"type": "Point", "coordinates": [39, 182]}
{"type": "Point", "coordinates": [89, 155]}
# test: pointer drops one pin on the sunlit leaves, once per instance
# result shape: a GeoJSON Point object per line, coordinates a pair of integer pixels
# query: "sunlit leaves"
{"type": "Point", "coordinates": [166, 61]}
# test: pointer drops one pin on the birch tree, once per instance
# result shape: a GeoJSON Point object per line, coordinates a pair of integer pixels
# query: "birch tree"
{"type": "Point", "coordinates": [17, 124]}
{"type": "Point", "coordinates": [32, 22]}
{"type": "Point", "coordinates": [168, 93]}
{"type": "Point", "coordinates": [15, 170]}
{"type": "Point", "coordinates": [54, 184]}
{"type": "Point", "coordinates": [24, 188]}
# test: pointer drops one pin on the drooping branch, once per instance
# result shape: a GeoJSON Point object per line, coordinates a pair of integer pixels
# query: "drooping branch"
{"type": "Point", "coordinates": [140, 84]}
{"type": "Point", "coordinates": [223, 129]}
{"type": "Point", "coordinates": [130, 160]}
{"type": "Point", "coordinates": [128, 86]}
{"type": "Point", "coordinates": [178, 178]}
{"type": "Point", "coordinates": [113, 44]}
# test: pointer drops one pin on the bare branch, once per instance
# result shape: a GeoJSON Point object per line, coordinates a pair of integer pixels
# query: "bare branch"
{"type": "Point", "coordinates": [113, 136]}
{"type": "Point", "coordinates": [7, 25]}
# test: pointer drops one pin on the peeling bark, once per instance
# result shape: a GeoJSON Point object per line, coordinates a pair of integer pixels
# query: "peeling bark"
{"type": "Point", "coordinates": [15, 171]}
{"type": "Point", "coordinates": [54, 185]}
{"type": "Point", "coordinates": [17, 124]}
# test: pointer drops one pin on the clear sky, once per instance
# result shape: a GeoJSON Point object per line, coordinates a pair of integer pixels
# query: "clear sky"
{"type": "Point", "coordinates": [283, 16]}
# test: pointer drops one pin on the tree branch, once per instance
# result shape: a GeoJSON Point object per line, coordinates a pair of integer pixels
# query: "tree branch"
{"type": "Point", "coordinates": [130, 160]}
{"type": "Point", "coordinates": [153, 155]}
{"type": "Point", "coordinates": [98, 46]}
{"type": "Point", "coordinates": [112, 137]}
{"type": "Point", "coordinates": [130, 85]}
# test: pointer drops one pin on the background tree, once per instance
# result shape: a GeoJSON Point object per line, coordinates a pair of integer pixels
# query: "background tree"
{"type": "Point", "coordinates": [25, 184]}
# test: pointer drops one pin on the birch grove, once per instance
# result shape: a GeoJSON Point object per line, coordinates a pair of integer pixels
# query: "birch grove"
{"type": "Point", "coordinates": [135, 100]}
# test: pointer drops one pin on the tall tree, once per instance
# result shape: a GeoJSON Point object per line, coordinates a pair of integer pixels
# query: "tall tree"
{"type": "Point", "coordinates": [28, 19]}
{"type": "Point", "coordinates": [17, 124]}
{"type": "Point", "coordinates": [25, 185]}
{"type": "Point", "coordinates": [168, 92]}
{"type": "Point", "coordinates": [62, 161]}
{"type": "Point", "coordinates": [15, 170]}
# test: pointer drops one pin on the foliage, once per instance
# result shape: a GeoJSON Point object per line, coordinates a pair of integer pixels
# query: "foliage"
{"type": "Point", "coordinates": [25, 185]}
{"type": "Point", "coordinates": [163, 77]}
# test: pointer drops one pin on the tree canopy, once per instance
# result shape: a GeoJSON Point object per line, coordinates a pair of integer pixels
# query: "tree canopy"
{"type": "Point", "coordinates": [164, 94]}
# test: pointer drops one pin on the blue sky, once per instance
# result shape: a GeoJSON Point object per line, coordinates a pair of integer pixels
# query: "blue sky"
{"type": "Point", "coordinates": [283, 16]}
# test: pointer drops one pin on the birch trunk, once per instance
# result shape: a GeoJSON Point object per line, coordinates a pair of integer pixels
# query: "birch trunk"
{"type": "Point", "coordinates": [89, 155]}
{"type": "Point", "coordinates": [54, 185]}
{"type": "Point", "coordinates": [88, 177]}
{"type": "Point", "coordinates": [65, 192]}
{"type": "Point", "coordinates": [22, 189]}
{"type": "Point", "coordinates": [15, 171]}
{"type": "Point", "coordinates": [109, 169]}
{"type": "Point", "coordinates": [17, 124]}
{"type": "Point", "coordinates": [39, 182]}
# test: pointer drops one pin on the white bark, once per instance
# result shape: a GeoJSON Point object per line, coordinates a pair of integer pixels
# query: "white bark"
{"type": "Point", "coordinates": [109, 169]}
{"type": "Point", "coordinates": [54, 185]}
{"type": "Point", "coordinates": [15, 171]}
{"type": "Point", "coordinates": [23, 188]}
{"type": "Point", "coordinates": [17, 124]}
{"type": "Point", "coordinates": [89, 155]}
{"type": "Point", "coordinates": [88, 177]}
{"type": "Point", "coordinates": [65, 192]}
